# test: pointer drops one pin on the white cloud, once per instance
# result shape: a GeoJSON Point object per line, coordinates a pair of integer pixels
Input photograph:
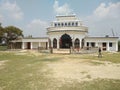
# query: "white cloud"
{"type": "Point", "coordinates": [110, 11]}
{"type": "Point", "coordinates": [62, 10]}
{"type": "Point", "coordinates": [11, 10]}
{"type": "Point", "coordinates": [104, 19]}
{"type": "Point", "coordinates": [36, 28]}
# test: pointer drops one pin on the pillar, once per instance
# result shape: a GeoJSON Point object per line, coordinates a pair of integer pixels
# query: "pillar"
{"type": "Point", "coordinates": [48, 45]}
{"type": "Point", "coordinates": [108, 46]}
{"type": "Point", "coordinates": [73, 44]}
{"type": "Point", "coordinates": [31, 45]}
{"type": "Point", "coordinates": [23, 45]}
{"type": "Point", "coordinates": [96, 44]}
{"type": "Point", "coordinates": [58, 43]}
{"type": "Point", "coordinates": [51, 43]}
{"type": "Point", "coordinates": [39, 44]}
{"type": "Point", "coordinates": [116, 46]}
{"type": "Point", "coordinates": [80, 43]}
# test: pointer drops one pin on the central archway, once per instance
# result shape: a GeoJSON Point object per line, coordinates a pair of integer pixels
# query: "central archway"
{"type": "Point", "coordinates": [65, 41]}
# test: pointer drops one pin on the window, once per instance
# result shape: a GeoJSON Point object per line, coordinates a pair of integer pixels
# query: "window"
{"type": "Point", "coordinates": [76, 23]}
{"type": "Point", "coordinates": [69, 24]}
{"type": "Point", "coordinates": [62, 24]}
{"type": "Point", "coordinates": [55, 24]}
{"type": "Point", "coordinates": [87, 44]}
{"type": "Point", "coordinates": [58, 24]}
{"type": "Point", "coordinates": [72, 23]}
{"type": "Point", "coordinates": [65, 24]}
{"type": "Point", "coordinates": [92, 44]}
{"type": "Point", "coordinates": [110, 44]}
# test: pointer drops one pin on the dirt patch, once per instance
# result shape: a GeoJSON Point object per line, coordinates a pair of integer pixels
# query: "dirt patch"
{"type": "Point", "coordinates": [68, 70]}
{"type": "Point", "coordinates": [2, 63]}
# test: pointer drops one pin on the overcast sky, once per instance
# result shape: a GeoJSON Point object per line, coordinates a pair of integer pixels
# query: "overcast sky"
{"type": "Point", "coordinates": [33, 16]}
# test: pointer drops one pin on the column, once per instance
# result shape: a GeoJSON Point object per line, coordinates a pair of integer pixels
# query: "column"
{"type": "Point", "coordinates": [116, 46]}
{"type": "Point", "coordinates": [58, 43]}
{"type": "Point", "coordinates": [85, 44]}
{"type": "Point", "coordinates": [48, 45]}
{"type": "Point", "coordinates": [31, 45]}
{"type": "Point", "coordinates": [108, 46]}
{"type": "Point", "coordinates": [96, 44]}
{"type": "Point", "coordinates": [73, 43]}
{"type": "Point", "coordinates": [51, 43]}
{"type": "Point", "coordinates": [80, 43]}
{"type": "Point", "coordinates": [23, 45]}
{"type": "Point", "coordinates": [39, 44]}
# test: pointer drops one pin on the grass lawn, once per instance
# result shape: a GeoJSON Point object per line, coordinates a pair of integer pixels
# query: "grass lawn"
{"type": "Point", "coordinates": [3, 48]}
{"type": "Point", "coordinates": [27, 71]}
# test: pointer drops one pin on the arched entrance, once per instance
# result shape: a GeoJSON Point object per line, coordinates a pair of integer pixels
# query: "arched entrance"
{"type": "Point", "coordinates": [82, 43]}
{"type": "Point", "coordinates": [65, 41]}
{"type": "Point", "coordinates": [54, 43]}
{"type": "Point", "coordinates": [77, 43]}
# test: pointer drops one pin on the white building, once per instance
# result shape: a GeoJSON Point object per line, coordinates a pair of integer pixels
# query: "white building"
{"type": "Point", "coordinates": [66, 32]}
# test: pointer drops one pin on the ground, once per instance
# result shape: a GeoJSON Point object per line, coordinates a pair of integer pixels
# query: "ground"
{"type": "Point", "coordinates": [31, 70]}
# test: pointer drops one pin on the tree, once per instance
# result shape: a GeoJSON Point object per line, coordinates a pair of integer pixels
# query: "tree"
{"type": "Point", "coordinates": [9, 33]}
{"type": "Point", "coordinates": [1, 32]}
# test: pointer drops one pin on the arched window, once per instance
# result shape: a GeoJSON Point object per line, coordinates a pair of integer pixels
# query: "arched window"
{"type": "Point", "coordinates": [55, 24]}
{"type": "Point", "coordinates": [72, 23]}
{"type": "Point", "coordinates": [82, 43]}
{"type": "Point", "coordinates": [58, 24]}
{"type": "Point", "coordinates": [76, 23]}
{"type": "Point", "coordinates": [65, 24]}
{"type": "Point", "coordinates": [54, 43]}
{"type": "Point", "coordinates": [77, 43]}
{"type": "Point", "coordinates": [69, 24]}
{"type": "Point", "coordinates": [62, 24]}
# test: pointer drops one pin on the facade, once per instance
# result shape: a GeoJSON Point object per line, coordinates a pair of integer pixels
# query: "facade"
{"type": "Point", "coordinates": [30, 43]}
{"type": "Point", "coordinates": [66, 32]}
{"type": "Point", "coordinates": [106, 43]}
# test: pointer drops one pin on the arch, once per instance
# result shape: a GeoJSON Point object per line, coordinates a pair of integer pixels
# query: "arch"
{"type": "Point", "coordinates": [82, 43]}
{"type": "Point", "coordinates": [54, 43]}
{"type": "Point", "coordinates": [65, 41]}
{"type": "Point", "coordinates": [76, 23]}
{"type": "Point", "coordinates": [77, 43]}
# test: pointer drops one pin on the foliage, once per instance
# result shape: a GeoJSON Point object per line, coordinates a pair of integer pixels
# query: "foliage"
{"type": "Point", "coordinates": [13, 29]}
{"type": "Point", "coordinates": [9, 33]}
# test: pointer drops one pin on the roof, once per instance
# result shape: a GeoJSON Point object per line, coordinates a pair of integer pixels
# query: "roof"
{"type": "Point", "coordinates": [65, 15]}
{"type": "Point", "coordinates": [35, 38]}
{"type": "Point", "coordinates": [100, 37]}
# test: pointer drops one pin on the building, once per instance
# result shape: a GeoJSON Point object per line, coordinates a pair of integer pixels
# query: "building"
{"type": "Point", "coordinates": [69, 31]}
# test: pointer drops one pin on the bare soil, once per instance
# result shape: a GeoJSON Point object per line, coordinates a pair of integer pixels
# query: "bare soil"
{"type": "Point", "coordinates": [67, 70]}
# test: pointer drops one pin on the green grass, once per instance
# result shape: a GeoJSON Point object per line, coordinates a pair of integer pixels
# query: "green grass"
{"type": "Point", "coordinates": [106, 56]}
{"type": "Point", "coordinates": [26, 72]}
{"type": "Point", "coordinates": [98, 84]}
{"type": "Point", "coordinates": [3, 48]}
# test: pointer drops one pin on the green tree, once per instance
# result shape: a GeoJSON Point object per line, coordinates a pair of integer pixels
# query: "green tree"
{"type": "Point", "coordinates": [1, 32]}
{"type": "Point", "coordinates": [9, 33]}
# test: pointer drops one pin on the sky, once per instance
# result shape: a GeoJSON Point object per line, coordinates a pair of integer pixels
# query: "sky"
{"type": "Point", "coordinates": [102, 17]}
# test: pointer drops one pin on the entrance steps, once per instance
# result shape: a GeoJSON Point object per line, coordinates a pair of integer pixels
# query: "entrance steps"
{"type": "Point", "coordinates": [75, 51]}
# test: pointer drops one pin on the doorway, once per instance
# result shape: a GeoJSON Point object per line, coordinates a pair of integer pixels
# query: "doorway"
{"type": "Point", "coordinates": [28, 45]}
{"type": "Point", "coordinates": [65, 41]}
